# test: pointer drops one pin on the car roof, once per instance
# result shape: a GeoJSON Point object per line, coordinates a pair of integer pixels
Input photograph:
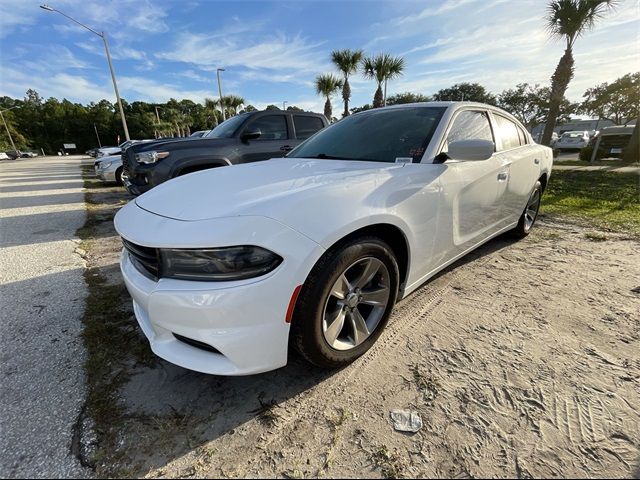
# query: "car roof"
{"type": "Point", "coordinates": [617, 130]}
{"type": "Point", "coordinates": [449, 105]}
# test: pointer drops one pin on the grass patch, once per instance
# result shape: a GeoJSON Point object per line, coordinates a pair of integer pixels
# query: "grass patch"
{"type": "Point", "coordinates": [595, 237]}
{"type": "Point", "coordinates": [112, 342]}
{"type": "Point", "coordinates": [389, 463]}
{"type": "Point", "coordinates": [607, 200]}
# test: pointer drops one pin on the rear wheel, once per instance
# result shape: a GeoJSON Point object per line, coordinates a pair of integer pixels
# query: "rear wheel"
{"type": "Point", "coordinates": [530, 214]}
{"type": "Point", "coordinates": [345, 303]}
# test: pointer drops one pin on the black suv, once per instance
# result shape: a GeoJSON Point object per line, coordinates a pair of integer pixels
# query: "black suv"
{"type": "Point", "coordinates": [248, 137]}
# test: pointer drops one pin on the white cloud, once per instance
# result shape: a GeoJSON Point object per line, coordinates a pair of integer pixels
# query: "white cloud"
{"type": "Point", "coordinates": [278, 52]}
{"type": "Point", "coordinates": [508, 44]}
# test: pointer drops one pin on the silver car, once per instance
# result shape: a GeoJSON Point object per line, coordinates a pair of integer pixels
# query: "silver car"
{"type": "Point", "coordinates": [575, 140]}
{"type": "Point", "coordinates": [109, 169]}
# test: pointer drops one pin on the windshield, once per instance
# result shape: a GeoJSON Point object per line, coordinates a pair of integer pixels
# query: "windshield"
{"type": "Point", "coordinates": [376, 135]}
{"type": "Point", "coordinates": [228, 128]}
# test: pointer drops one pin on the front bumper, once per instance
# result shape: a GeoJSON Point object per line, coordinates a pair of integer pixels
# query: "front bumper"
{"type": "Point", "coordinates": [106, 175]}
{"type": "Point", "coordinates": [243, 322]}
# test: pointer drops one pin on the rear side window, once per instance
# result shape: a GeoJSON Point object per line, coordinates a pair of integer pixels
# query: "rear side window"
{"type": "Point", "coordinates": [469, 125]}
{"type": "Point", "coordinates": [523, 137]}
{"type": "Point", "coordinates": [273, 127]}
{"type": "Point", "coordinates": [508, 132]}
{"type": "Point", "coordinates": [306, 126]}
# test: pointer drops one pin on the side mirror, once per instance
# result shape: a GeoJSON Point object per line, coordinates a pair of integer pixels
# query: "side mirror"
{"type": "Point", "coordinates": [470, 150]}
{"type": "Point", "coordinates": [250, 133]}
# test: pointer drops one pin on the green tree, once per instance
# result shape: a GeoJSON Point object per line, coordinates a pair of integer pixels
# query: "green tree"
{"type": "Point", "coordinates": [407, 97]}
{"type": "Point", "coordinates": [465, 92]}
{"type": "Point", "coordinates": [382, 68]}
{"type": "Point", "coordinates": [327, 85]}
{"type": "Point", "coordinates": [568, 20]}
{"type": "Point", "coordinates": [530, 104]}
{"type": "Point", "coordinates": [618, 101]}
{"type": "Point", "coordinates": [347, 62]}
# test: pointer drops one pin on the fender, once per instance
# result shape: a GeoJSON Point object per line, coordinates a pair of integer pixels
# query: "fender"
{"type": "Point", "coordinates": [197, 161]}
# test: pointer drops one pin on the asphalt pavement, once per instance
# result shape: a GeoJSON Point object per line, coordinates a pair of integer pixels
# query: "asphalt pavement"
{"type": "Point", "coordinates": [42, 297]}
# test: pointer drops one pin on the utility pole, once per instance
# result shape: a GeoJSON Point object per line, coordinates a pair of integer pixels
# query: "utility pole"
{"type": "Point", "coordinates": [224, 117]}
{"type": "Point", "coordinates": [284, 104]}
{"type": "Point", "coordinates": [98, 136]}
{"type": "Point", "coordinates": [13, 145]}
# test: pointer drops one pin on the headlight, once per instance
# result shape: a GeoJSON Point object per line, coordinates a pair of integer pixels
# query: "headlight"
{"type": "Point", "coordinates": [218, 264]}
{"type": "Point", "coordinates": [151, 157]}
{"type": "Point", "coordinates": [104, 165]}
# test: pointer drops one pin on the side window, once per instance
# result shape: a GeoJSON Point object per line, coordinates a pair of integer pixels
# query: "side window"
{"type": "Point", "coordinates": [273, 127]}
{"type": "Point", "coordinates": [469, 125]}
{"type": "Point", "coordinates": [306, 126]}
{"type": "Point", "coordinates": [508, 132]}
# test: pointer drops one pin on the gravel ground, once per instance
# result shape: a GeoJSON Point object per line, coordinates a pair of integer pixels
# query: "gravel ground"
{"type": "Point", "coordinates": [42, 303]}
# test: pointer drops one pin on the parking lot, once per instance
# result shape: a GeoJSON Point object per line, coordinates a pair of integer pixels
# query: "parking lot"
{"type": "Point", "coordinates": [521, 359]}
{"type": "Point", "coordinates": [43, 299]}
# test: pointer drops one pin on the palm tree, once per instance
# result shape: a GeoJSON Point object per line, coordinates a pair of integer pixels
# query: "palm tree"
{"type": "Point", "coordinates": [347, 62]}
{"type": "Point", "coordinates": [568, 20]}
{"type": "Point", "coordinates": [212, 109]}
{"type": "Point", "coordinates": [326, 85]}
{"type": "Point", "coordinates": [382, 68]}
{"type": "Point", "coordinates": [232, 103]}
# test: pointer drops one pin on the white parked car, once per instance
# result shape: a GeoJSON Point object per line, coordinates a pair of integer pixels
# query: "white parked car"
{"type": "Point", "coordinates": [109, 169]}
{"type": "Point", "coordinates": [228, 267]}
{"type": "Point", "coordinates": [573, 140]}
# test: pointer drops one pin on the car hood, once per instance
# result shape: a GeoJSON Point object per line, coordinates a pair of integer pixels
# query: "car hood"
{"type": "Point", "coordinates": [271, 188]}
{"type": "Point", "coordinates": [181, 143]}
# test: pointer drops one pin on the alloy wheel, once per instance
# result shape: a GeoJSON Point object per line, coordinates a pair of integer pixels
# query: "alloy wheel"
{"type": "Point", "coordinates": [356, 304]}
{"type": "Point", "coordinates": [531, 212]}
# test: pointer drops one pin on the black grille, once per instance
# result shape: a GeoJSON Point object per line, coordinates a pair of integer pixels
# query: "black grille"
{"type": "Point", "coordinates": [144, 258]}
{"type": "Point", "coordinates": [197, 344]}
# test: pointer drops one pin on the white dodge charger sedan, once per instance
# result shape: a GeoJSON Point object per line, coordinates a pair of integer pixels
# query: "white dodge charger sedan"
{"type": "Point", "coordinates": [229, 267]}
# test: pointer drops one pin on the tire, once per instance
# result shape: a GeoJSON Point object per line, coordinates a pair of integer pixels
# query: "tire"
{"type": "Point", "coordinates": [530, 213]}
{"type": "Point", "coordinates": [118, 176]}
{"type": "Point", "coordinates": [318, 302]}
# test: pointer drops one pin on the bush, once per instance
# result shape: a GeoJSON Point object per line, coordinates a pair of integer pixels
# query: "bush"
{"type": "Point", "coordinates": [585, 154]}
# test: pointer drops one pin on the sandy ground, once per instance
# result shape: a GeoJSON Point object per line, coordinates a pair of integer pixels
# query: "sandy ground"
{"type": "Point", "coordinates": [522, 361]}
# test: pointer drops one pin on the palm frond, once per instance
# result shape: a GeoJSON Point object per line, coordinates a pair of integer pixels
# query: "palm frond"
{"type": "Point", "coordinates": [327, 84]}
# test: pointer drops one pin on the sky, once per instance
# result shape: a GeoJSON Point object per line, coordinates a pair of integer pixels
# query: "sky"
{"type": "Point", "coordinates": [272, 51]}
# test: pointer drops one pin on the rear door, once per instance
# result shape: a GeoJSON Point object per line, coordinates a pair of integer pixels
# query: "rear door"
{"type": "Point", "coordinates": [305, 126]}
{"type": "Point", "coordinates": [514, 149]}
{"type": "Point", "coordinates": [273, 142]}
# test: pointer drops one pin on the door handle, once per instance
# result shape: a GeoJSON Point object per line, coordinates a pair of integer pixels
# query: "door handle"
{"type": "Point", "coordinates": [286, 148]}
{"type": "Point", "coordinates": [502, 176]}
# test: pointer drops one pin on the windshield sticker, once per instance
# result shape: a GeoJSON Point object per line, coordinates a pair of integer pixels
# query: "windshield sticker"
{"type": "Point", "coordinates": [404, 159]}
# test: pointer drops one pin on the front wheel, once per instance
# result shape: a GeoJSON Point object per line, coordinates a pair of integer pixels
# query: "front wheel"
{"type": "Point", "coordinates": [119, 176]}
{"type": "Point", "coordinates": [345, 303]}
{"type": "Point", "coordinates": [530, 214]}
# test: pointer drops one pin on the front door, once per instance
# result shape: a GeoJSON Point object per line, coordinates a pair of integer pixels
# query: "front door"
{"type": "Point", "coordinates": [472, 191]}
{"type": "Point", "coordinates": [273, 142]}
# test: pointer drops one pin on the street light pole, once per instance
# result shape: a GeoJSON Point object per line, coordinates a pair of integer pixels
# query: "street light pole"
{"type": "Point", "coordinates": [106, 48]}
{"type": "Point", "coordinates": [224, 117]}
{"type": "Point", "coordinates": [13, 145]}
